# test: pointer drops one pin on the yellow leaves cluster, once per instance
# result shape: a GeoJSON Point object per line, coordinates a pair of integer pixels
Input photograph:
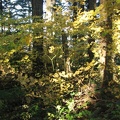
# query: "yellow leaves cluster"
{"type": "Point", "coordinates": [7, 55]}
{"type": "Point", "coordinates": [83, 17]}
{"type": "Point", "coordinates": [96, 30]}
{"type": "Point", "coordinates": [64, 85]}
{"type": "Point", "coordinates": [86, 16]}
{"type": "Point", "coordinates": [117, 22]}
{"type": "Point", "coordinates": [116, 32]}
{"type": "Point", "coordinates": [51, 49]}
{"type": "Point", "coordinates": [86, 68]}
{"type": "Point", "coordinates": [11, 52]}
{"type": "Point", "coordinates": [54, 88]}
{"type": "Point", "coordinates": [25, 59]}
{"type": "Point", "coordinates": [6, 60]}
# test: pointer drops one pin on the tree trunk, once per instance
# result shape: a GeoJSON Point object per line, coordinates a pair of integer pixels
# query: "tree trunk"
{"type": "Point", "coordinates": [37, 8]}
{"type": "Point", "coordinates": [67, 66]}
{"type": "Point", "coordinates": [38, 64]}
{"type": "Point", "coordinates": [91, 4]}
{"type": "Point", "coordinates": [90, 53]}
{"type": "Point", "coordinates": [108, 70]}
{"type": "Point", "coordinates": [1, 7]}
{"type": "Point", "coordinates": [1, 10]}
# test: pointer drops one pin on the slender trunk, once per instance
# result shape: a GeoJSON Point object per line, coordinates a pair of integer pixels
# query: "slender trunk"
{"type": "Point", "coordinates": [67, 66]}
{"type": "Point", "coordinates": [90, 4]}
{"type": "Point", "coordinates": [90, 53]}
{"type": "Point", "coordinates": [0, 5]}
{"type": "Point", "coordinates": [38, 64]}
{"type": "Point", "coordinates": [108, 71]}
{"type": "Point", "coordinates": [1, 10]}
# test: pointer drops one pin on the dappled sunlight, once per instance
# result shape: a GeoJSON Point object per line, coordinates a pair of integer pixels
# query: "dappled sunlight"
{"type": "Point", "coordinates": [63, 68]}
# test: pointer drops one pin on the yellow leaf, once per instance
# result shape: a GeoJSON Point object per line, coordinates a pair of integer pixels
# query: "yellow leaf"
{"type": "Point", "coordinates": [6, 60]}
{"type": "Point", "coordinates": [26, 57]}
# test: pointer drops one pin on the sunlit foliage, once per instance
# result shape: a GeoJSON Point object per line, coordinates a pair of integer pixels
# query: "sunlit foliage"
{"type": "Point", "coordinates": [58, 94]}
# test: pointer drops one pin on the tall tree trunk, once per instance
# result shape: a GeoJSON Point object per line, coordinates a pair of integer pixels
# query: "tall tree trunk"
{"type": "Point", "coordinates": [108, 70]}
{"type": "Point", "coordinates": [38, 64]}
{"type": "Point", "coordinates": [1, 7]}
{"type": "Point", "coordinates": [37, 8]}
{"type": "Point", "coordinates": [1, 10]}
{"type": "Point", "coordinates": [91, 4]}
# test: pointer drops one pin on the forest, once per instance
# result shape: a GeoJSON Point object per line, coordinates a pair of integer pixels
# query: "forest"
{"type": "Point", "coordinates": [59, 59]}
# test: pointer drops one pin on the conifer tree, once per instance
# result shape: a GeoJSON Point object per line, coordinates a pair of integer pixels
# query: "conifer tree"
{"type": "Point", "coordinates": [37, 13]}
{"type": "Point", "coordinates": [1, 9]}
{"type": "Point", "coordinates": [108, 70]}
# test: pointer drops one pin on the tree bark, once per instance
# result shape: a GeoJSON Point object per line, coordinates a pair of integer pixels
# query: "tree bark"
{"type": "Point", "coordinates": [67, 66]}
{"type": "Point", "coordinates": [91, 4]}
{"type": "Point", "coordinates": [38, 64]}
{"type": "Point", "coordinates": [37, 8]}
{"type": "Point", "coordinates": [108, 70]}
{"type": "Point", "coordinates": [1, 6]}
{"type": "Point", "coordinates": [1, 10]}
